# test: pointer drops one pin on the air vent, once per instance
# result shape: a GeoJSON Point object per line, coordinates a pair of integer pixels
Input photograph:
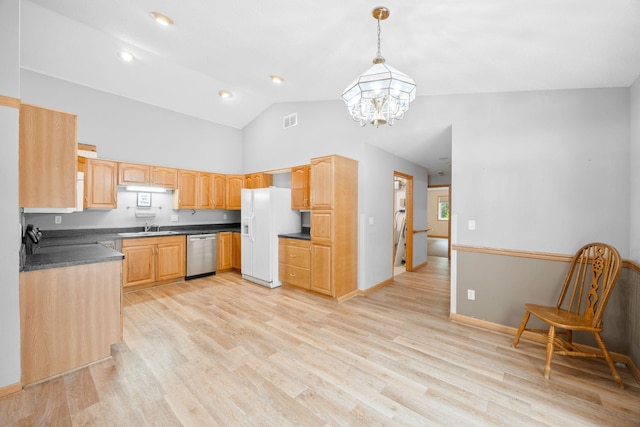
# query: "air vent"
{"type": "Point", "coordinates": [290, 120]}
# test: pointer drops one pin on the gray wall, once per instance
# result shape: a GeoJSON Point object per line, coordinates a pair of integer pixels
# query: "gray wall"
{"type": "Point", "coordinates": [127, 130]}
{"type": "Point", "coordinates": [9, 214]}
{"type": "Point", "coordinates": [635, 171]}
{"type": "Point", "coordinates": [325, 128]}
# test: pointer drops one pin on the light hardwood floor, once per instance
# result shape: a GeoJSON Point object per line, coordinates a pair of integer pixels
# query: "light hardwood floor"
{"type": "Point", "coordinates": [222, 351]}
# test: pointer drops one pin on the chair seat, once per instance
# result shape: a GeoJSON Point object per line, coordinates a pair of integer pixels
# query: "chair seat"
{"type": "Point", "coordinates": [561, 318]}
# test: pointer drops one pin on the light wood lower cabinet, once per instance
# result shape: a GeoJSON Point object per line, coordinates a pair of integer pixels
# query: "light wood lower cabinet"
{"type": "Point", "coordinates": [236, 249]}
{"type": "Point", "coordinates": [322, 268]}
{"type": "Point", "coordinates": [225, 252]}
{"type": "Point", "coordinates": [152, 260]}
{"type": "Point", "coordinates": [69, 317]}
{"type": "Point", "coordinates": [294, 262]}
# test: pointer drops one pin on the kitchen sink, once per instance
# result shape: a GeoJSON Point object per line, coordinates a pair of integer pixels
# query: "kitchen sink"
{"type": "Point", "coordinates": [148, 233]}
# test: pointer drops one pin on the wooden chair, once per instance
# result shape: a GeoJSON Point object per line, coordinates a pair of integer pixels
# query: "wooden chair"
{"type": "Point", "coordinates": [586, 290]}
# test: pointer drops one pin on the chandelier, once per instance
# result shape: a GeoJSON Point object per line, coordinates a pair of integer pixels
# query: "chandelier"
{"type": "Point", "coordinates": [381, 95]}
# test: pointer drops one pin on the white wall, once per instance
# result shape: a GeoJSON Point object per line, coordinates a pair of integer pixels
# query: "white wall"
{"type": "Point", "coordinates": [127, 130]}
{"type": "Point", "coordinates": [542, 171]}
{"type": "Point", "coordinates": [9, 213]}
{"type": "Point", "coordinates": [326, 128]}
{"type": "Point", "coordinates": [634, 193]}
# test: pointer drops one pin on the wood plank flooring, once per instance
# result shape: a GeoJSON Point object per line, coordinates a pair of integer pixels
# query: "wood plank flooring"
{"type": "Point", "coordinates": [222, 351]}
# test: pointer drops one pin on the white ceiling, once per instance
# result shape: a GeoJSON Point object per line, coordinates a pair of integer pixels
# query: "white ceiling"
{"type": "Point", "coordinates": [447, 46]}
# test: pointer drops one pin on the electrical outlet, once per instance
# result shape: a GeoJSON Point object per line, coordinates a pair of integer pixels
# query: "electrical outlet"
{"type": "Point", "coordinates": [57, 219]}
{"type": "Point", "coordinates": [224, 216]}
{"type": "Point", "coordinates": [471, 294]}
{"type": "Point", "coordinates": [472, 224]}
{"type": "Point", "coordinates": [174, 218]}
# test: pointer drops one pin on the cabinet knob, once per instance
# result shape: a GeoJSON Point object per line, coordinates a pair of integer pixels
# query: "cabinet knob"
{"type": "Point", "coordinates": [292, 256]}
{"type": "Point", "coordinates": [292, 274]}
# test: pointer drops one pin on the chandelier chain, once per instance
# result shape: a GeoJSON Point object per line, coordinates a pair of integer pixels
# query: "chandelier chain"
{"type": "Point", "coordinates": [379, 54]}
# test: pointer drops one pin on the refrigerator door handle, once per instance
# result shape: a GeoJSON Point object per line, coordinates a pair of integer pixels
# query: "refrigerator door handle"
{"type": "Point", "coordinates": [253, 227]}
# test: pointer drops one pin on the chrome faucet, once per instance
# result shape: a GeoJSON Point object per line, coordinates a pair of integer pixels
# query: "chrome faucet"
{"type": "Point", "coordinates": [148, 226]}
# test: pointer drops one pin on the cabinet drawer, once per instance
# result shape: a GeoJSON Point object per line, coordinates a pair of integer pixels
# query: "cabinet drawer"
{"type": "Point", "coordinates": [295, 276]}
{"type": "Point", "coordinates": [295, 256]}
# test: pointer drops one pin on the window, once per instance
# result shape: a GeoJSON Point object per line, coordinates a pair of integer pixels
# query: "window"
{"type": "Point", "coordinates": [443, 208]}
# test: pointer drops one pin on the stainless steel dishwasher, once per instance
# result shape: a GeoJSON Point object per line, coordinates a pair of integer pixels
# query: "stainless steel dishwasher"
{"type": "Point", "coordinates": [202, 255]}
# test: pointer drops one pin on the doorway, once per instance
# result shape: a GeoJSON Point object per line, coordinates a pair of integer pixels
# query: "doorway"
{"type": "Point", "coordinates": [438, 208]}
{"type": "Point", "coordinates": [402, 259]}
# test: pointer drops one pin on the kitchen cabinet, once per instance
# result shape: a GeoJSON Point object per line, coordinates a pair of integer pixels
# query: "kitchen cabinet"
{"type": "Point", "coordinates": [334, 226]}
{"type": "Point", "coordinates": [186, 196]}
{"type": "Point", "coordinates": [47, 158]}
{"type": "Point", "coordinates": [219, 191]}
{"type": "Point", "coordinates": [236, 248]}
{"type": "Point", "coordinates": [294, 262]}
{"type": "Point", "coordinates": [150, 261]}
{"type": "Point", "coordinates": [225, 252]}
{"type": "Point", "coordinates": [69, 318]}
{"type": "Point", "coordinates": [258, 180]}
{"type": "Point", "coordinates": [100, 184]}
{"type": "Point", "coordinates": [300, 187]}
{"type": "Point", "coordinates": [205, 191]}
{"type": "Point", "coordinates": [235, 183]}
{"type": "Point", "coordinates": [137, 174]}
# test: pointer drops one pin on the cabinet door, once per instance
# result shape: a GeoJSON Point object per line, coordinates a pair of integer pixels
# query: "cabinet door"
{"type": "Point", "coordinates": [300, 187]}
{"type": "Point", "coordinates": [205, 192]}
{"type": "Point", "coordinates": [321, 268]}
{"type": "Point", "coordinates": [171, 262]}
{"type": "Point", "coordinates": [164, 177]}
{"type": "Point", "coordinates": [100, 185]}
{"type": "Point", "coordinates": [48, 158]}
{"type": "Point", "coordinates": [187, 190]}
{"type": "Point", "coordinates": [224, 251]}
{"type": "Point", "coordinates": [219, 190]}
{"type": "Point", "coordinates": [236, 248]}
{"type": "Point", "coordinates": [132, 174]}
{"type": "Point", "coordinates": [235, 183]}
{"type": "Point", "coordinates": [322, 183]}
{"type": "Point", "coordinates": [322, 226]}
{"type": "Point", "coordinates": [249, 181]}
{"type": "Point", "coordinates": [139, 265]}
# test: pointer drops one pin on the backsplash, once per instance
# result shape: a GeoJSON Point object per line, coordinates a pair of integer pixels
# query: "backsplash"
{"type": "Point", "coordinates": [125, 215]}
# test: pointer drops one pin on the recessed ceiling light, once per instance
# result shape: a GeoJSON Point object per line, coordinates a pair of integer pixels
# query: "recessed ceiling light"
{"type": "Point", "coordinates": [126, 56]}
{"type": "Point", "coordinates": [224, 94]}
{"type": "Point", "coordinates": [277, 79]}
{"type": "Point", "coordinates": [162, 19]}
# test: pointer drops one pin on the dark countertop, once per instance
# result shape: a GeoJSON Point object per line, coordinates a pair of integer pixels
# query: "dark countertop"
{"type": "Point", "coordinates": [64, 248]}
{"type": "Point", "coordinates": [66, 256]}
{"type": "Point", "coordinates": [305, 234]}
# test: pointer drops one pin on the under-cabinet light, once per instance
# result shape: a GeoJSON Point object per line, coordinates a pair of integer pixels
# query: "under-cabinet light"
{"type": "Point", "coordinates": [146, 189]}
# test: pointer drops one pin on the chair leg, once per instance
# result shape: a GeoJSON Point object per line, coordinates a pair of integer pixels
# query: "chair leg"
{"type": "Point", "coordinates": [550, 339]}
{"type": "Point", "coordinates": [523, 324]}
{"type": "Point", "coordinates": [607, 357]}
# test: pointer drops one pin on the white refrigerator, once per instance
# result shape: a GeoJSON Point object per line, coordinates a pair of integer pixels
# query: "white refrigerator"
{"type": "Point", "coordinates": [265, 213]}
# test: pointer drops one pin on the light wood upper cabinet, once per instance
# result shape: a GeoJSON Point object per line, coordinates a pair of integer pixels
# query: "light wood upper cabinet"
{"type": "Point", "coordinates": [205, 191]}
{"type": "Point", "coordinates": [100, 184]}
{"type": "Point", "coordinates": [235, 183]}
{"type": "Point", "coordinates": [219, 191]}
{"type": "Point", "coordinates": [137, 174]}
{"type": "Point", "coordinates": [322, 183]}
{"type": "Point", "coordinates": [225, 252]}
{"type": "Point", "coordinates": [164, 177]}
{"type": "Point", "coordinates": [186, 196]}
{"type": "Point", "coordinates": [300, 187]}
{"type": "Point", "coordinates": [133, 174]}
{"type": "Point", "coordinates": [47, 158]}
{"type": "Point", "coordinates": [258, 180]}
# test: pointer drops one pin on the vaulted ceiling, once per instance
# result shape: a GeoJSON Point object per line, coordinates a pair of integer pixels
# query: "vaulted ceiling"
{"type": "Point", "coordinates": [447, 46]}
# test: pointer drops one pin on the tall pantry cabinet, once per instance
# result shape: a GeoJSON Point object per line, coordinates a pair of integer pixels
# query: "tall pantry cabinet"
{"type": "Point", "coordinates": [334, 226]}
